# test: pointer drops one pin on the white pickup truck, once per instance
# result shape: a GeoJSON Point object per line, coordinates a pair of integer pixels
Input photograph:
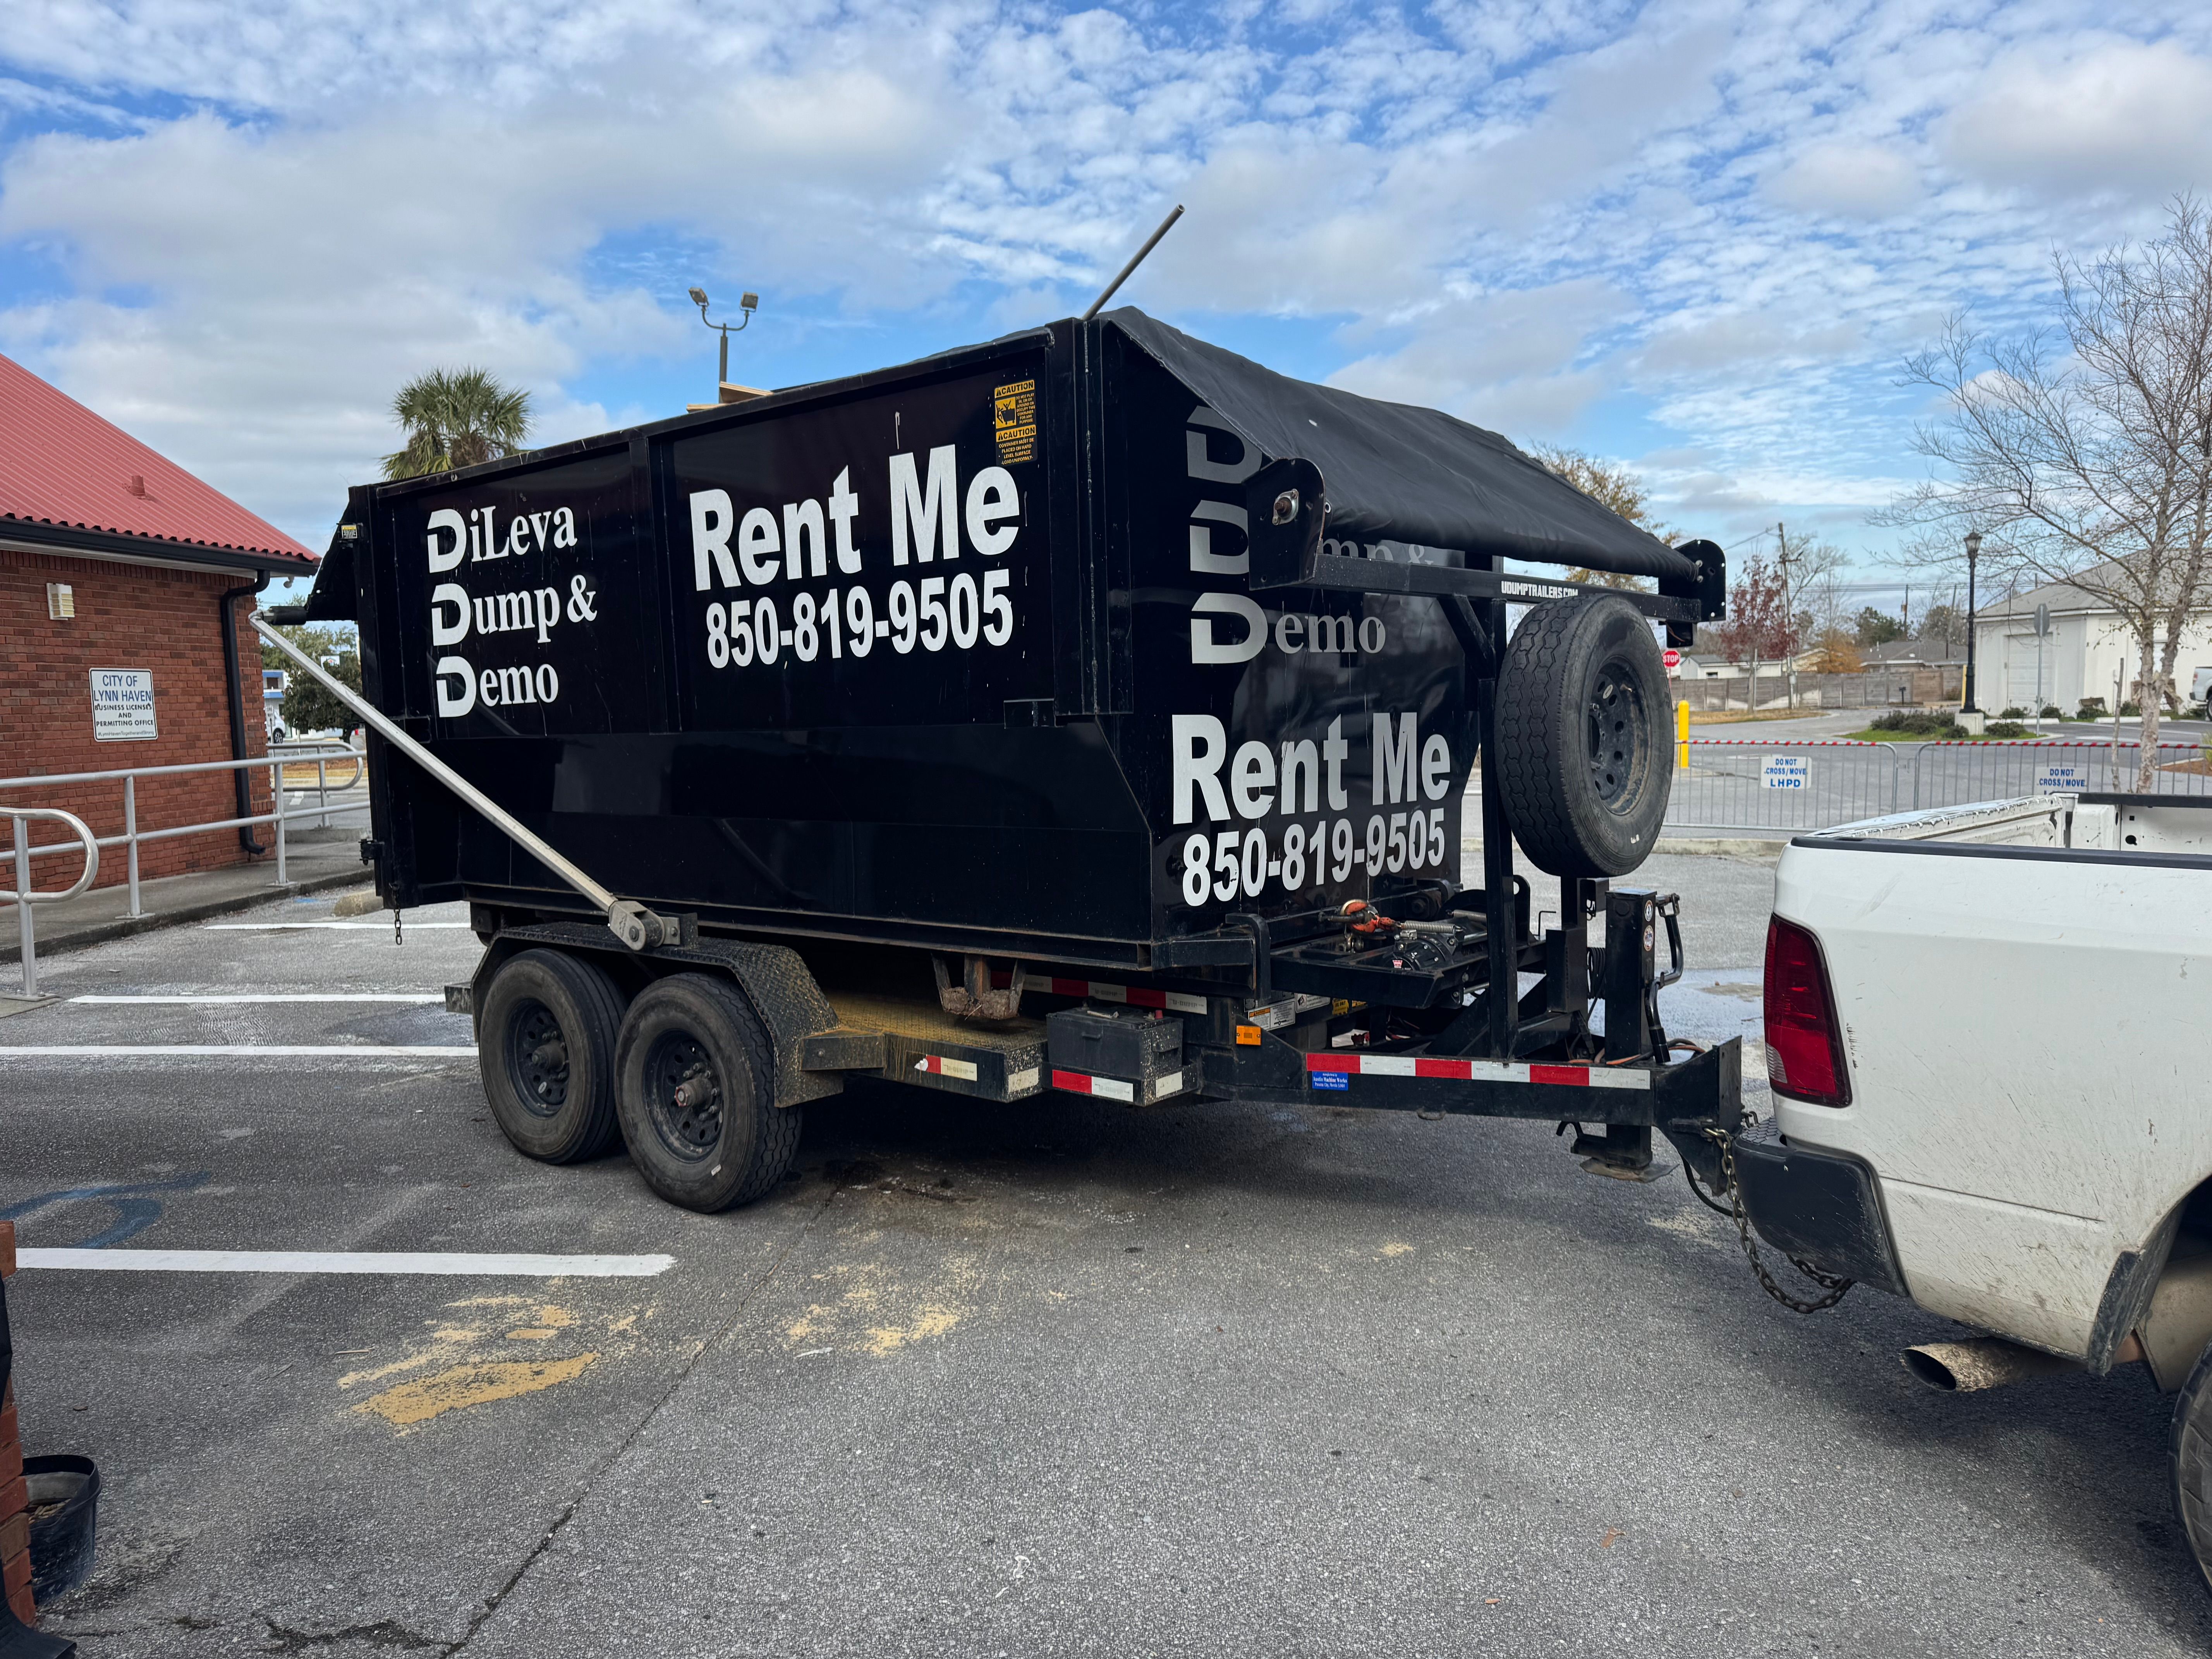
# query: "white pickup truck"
{"type": "Point", "coordinates": [1991, 1087]}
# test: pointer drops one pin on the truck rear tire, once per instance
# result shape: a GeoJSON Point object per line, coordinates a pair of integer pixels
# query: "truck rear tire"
{"type": "Point", "coordinates": [2189, 1456]}
{"type": "Point", "coordinates": [547, 1055]}
{"type": "Point", "coordinates": [1584, 762]}
{"type": "Point", "coordinates": [695, 1084]}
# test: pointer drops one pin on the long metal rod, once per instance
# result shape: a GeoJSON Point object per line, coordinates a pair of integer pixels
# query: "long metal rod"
{"type": "Point", "coordinates": [1135, 259]}
{"type": "Point", "coordinates": [525, 837]}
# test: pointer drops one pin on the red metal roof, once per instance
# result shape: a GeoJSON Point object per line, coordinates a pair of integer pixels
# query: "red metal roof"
{"type": "Point", "coordinates": [61, 465]}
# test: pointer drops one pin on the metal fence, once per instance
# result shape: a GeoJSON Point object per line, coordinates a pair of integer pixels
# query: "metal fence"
{"type": "Point", "coordinates": [1898, 686]}
{"type": "Point", "coordinates": [1775, 784]}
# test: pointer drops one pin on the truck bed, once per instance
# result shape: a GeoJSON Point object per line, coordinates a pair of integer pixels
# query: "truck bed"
{"type": "Point", "coordinates": [2018, 985]}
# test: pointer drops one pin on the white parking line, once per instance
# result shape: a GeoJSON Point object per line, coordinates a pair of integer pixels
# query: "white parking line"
{"type": "Point", "coordinates": [275, 996]}
{"type": "Point", "coordinates": [248, 1051]}
{"type": "Point", "coordinates": [349, 1262]}
{"type": "Point", "coordinates": [295, 926]}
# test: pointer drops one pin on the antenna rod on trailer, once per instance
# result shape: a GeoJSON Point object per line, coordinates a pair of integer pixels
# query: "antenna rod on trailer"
{"type": "Point", "coordinates": [1135, 259]}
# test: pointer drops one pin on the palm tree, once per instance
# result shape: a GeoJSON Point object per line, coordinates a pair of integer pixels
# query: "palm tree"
{"type": "Point", "coordinates": [455, 419]}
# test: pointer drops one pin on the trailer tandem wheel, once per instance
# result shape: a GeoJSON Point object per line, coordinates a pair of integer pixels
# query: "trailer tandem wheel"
{"type": "Point", "coordinates": [695, 1085]}
{"type": "Point", "coordinates": [547, 1054]}
{"type": "Point", "coordinates": [1584, 763]}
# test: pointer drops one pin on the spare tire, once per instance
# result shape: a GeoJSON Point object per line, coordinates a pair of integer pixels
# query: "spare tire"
{"type": "Point", "coordinates": [1584, 760]}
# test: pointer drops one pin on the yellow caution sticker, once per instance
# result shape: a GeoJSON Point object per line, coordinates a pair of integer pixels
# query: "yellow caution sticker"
{"type": "Point", "coordinates": [1013, 421]}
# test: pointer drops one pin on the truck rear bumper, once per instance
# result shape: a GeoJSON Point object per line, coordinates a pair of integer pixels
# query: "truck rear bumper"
{"type": "Point", "coordinates": [1821, 1207]}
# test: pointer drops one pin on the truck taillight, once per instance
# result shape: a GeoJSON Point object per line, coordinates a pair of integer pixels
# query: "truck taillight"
{"type": "Point", "coordinates": [1804, 1039]}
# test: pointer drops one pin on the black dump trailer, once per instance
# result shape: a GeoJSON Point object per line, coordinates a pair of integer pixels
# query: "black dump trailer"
{"type": "Point", "coordinates": [1089, 710]}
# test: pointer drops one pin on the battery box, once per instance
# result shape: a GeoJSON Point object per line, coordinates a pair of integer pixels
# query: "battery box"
{"type": "Point", "coordinates": [1119, 1053]}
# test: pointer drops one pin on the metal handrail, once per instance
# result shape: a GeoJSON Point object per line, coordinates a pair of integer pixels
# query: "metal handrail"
{"type": "Point", "coordinates": [321, 753]}
{"type": "Point", "coordinates": [41, 778]}
{"type": "Point", "coordinates": [132, 836]}
{"type": "Point", "coordinates": [23, 895]}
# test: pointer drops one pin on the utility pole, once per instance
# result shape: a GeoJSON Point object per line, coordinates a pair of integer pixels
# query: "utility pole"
{"type": "Point", "coordinates": [1788, 620]}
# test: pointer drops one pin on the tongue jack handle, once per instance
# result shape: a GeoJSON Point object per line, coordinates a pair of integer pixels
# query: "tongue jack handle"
{"type": "Point", "coordinates": [638, 928]}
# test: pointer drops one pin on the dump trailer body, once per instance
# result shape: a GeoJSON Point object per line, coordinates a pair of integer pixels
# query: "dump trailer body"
{"type": "Point", "coordinates": [975, 652]}
{"type": "Point", "coordinates": [1091, 709]}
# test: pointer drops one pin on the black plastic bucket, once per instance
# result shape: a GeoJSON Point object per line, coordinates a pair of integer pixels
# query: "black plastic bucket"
{"type": "Point", "coordinates": [64, 1513]}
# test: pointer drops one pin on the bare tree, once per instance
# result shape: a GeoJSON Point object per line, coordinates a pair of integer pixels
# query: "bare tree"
{"type": "Point", "coordinates": [2084, 453]}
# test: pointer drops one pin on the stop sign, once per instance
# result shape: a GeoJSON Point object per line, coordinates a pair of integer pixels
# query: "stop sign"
{"type": "Point", "coordinates": [1673, 660]}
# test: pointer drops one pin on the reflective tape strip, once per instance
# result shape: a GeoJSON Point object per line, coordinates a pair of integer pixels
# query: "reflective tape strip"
{"type": "Point", "coordinates": [1136, 996]}
{"type": "Point", "coordinates": [1082, 1083]}
{"type": "Point", "coordinates": [962, 1069]}
{"type": "Point", "coordinates": [1480, 1071]}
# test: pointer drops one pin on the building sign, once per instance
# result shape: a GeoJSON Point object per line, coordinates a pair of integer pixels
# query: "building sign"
{"type": "Point", "coordinates": [122, 705]}
{"type": "Point", "coordinates": [1786, 771]}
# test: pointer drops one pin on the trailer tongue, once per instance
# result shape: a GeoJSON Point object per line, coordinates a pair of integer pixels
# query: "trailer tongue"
{"type": "Point", "coordinates": [1091, 710]}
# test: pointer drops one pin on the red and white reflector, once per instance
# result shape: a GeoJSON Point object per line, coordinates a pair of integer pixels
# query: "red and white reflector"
{"type": "Point", "coordinates": [1135, 996]}
{"type": "Point", "coordinates": [1106, 1088]}
{"type": "Point", "coordinates": [1804, 1038]}
{"type": "Point", "coordinates": [1480, 1071]}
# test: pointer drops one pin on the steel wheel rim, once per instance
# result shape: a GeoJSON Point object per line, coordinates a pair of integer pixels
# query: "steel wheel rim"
{"type": "Point", "coordinates": [684, 1096]}
{"type": "Point", "coordinates": [1617, 726]}
{"type": "Point", "coordinates": [538, 1059]}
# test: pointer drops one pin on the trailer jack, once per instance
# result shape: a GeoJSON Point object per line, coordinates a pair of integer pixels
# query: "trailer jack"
{"type": "Point", "coordinates": [1623, 1152]}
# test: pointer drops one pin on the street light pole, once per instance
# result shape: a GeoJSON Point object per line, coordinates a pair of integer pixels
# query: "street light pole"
{"type": "Point", "coordinates": [1973, 551]}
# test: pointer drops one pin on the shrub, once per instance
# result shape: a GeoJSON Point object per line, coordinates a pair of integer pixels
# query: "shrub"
{"type": "Point", "coordinates": [2128, 710]}
{"type": "Point", "coordinates": [2013, 714]}
{"type": "Point", "coordinates": [2005, 729]}
{"type": "Point", "coordinates": [2092, 709]}
{"type": "Point", "coordinates": [1918, 723]}
{"type": "Point", "coordinates": [2051, 712]}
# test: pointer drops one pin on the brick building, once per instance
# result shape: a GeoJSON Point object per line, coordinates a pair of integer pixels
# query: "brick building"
{"type": "Point", "coordinates": [126, 584]}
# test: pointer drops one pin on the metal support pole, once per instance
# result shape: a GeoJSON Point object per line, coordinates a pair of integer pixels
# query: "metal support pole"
{"type": "Point", "coordinates": [23, 929]}
{"type": "Point", "coordinates": [323, 791]}
{"type": "Point", "coordinates": [130, 832]}
{"type": "Point", "coordinates": [277, 776]}
{"type": "Point", "coordinates": [1498, 905]}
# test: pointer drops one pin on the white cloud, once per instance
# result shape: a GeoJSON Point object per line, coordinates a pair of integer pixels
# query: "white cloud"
{"type": "Point", "coordinates": [1731, 219]}
{"type": "Point", "coordinates": [1852, 181]}
{"type": "Point", "coordinates": [2119, 117]}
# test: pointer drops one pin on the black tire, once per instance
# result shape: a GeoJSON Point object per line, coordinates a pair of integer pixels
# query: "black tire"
{"type": "Point", "coordinates": [2189, 1456]}
{"type": "Point", "coordinates": [1584, 758]}
{"type": "Point", "coordinates": [704, 1149]}
{"type": "Point", "coordinates": [546, 1050]}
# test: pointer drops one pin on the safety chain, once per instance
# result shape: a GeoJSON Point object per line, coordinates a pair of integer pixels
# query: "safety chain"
{"type": "Point", "coordinates": [1834, 1286]}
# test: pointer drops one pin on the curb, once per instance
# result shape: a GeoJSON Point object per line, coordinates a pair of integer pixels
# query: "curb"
{"type": "Point", "coordinates": [101, 932]}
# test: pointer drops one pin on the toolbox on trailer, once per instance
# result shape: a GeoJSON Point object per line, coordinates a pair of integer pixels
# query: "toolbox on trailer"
{"type": "Point", "coordinates": [1092, 709]}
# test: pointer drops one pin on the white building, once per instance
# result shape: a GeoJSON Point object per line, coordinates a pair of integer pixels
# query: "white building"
{"type": "Point", "coordinates": [2086, 650]}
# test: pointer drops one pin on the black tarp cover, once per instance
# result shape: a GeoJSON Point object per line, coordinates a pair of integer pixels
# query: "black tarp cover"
{"type": "Point", "coordinates": [1394, 472]}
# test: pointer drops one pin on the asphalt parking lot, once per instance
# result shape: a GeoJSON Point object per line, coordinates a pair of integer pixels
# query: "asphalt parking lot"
{"type": "Point", "coordinates": [1055, 1378]}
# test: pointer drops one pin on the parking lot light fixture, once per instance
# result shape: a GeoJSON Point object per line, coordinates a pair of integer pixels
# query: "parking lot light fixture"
{"type": "Point", "coordinates": [748, 303]}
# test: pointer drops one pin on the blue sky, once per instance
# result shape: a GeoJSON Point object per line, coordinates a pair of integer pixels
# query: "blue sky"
{"type": "Point", "coordinates": [1693, 237]}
